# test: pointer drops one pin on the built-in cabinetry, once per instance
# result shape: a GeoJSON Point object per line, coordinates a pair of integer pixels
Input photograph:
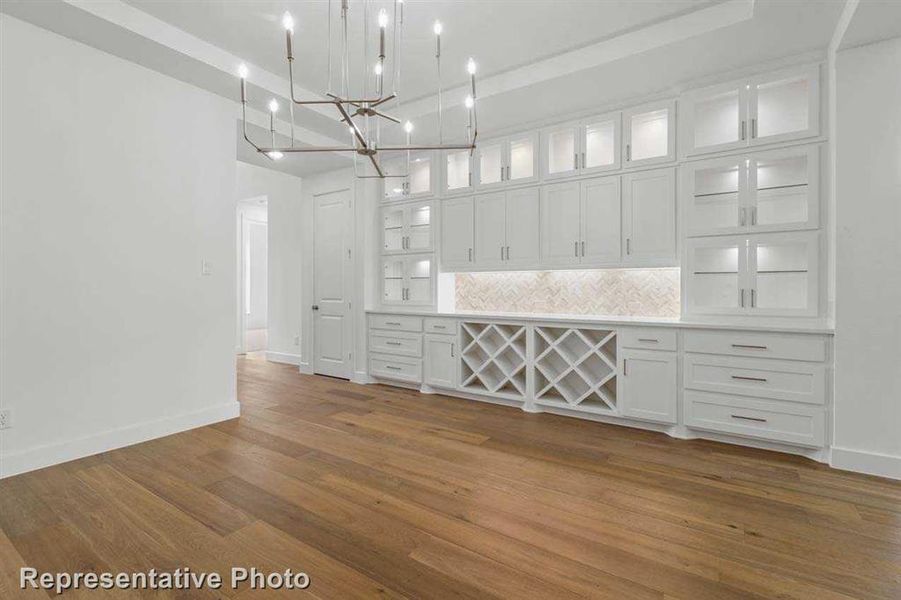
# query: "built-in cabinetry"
{"type": "Point", "coordinates": [407, 228]}
{"type": "Point", "coordinates": [507, 161]}
{"type": "Point", "coordinates": [775, 107]}
{"type": "Point", "coordinates": [457, 172]}
{"type": "Point", "coordinates": [411, 177]}
{"type": "Point", "coordinates": [649, 364]}
{"type": "Point", "coordinates": [408, 279]}
{"type": "Point", "coordinates": [581, 222]}
{"type": "Point", "coordinates": [649, 134]}
{"type": "Point", "coordinates": [506, 228]}
{"type": "Point", "coordinates": [649, 218]}
{"type": "Point", "coordinates": [581, 147]}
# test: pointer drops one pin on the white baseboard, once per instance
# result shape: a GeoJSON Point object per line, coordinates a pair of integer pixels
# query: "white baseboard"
{"type": "Point", "coordinates": [871, 463]}
{"type": "Point", "coordinates": [53, 454]}
{"type": "Point", "coordinates": [362, 377]}
{"type": "Point", "coordinates": [283, 357]}
{"type": "Point", "coordinates": [305, 368]}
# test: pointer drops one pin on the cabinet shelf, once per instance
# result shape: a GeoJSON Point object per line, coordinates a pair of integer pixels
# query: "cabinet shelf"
{"type": "Point", "coordinates": [576, 369]}
{"type": "Point", "coordinates": [493, 359]}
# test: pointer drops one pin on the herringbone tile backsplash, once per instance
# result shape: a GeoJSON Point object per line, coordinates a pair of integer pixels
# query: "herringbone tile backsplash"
{"type": "Point", "coordinates": [620, 292]}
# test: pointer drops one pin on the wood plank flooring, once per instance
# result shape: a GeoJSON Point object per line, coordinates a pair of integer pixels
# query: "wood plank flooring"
{"type": "Point", "coordinates": [381, 492]}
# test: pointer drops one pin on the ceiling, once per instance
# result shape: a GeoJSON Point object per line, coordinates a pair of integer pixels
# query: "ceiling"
{"type": "Point", "coordinates": [539, 60]}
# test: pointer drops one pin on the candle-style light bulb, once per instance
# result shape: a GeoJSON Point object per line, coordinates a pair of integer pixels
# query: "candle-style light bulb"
{"type": "Point", "coordinates": [383, 18]}
{"type": "Point", "coordinates": [242, 71]}
{"type": "Point", "coordinates": [275, 155]}
{"type": "Point", "coordinates": [378, 68]}
{"type": "Point", "coordinates": [273, 105]}
{"type": "Point", "coordinates": [408, 127]}
{"type": "Point", "coordinates": [471, 67]}
{"type": "Point", "coordinates": [288, 22]}
{"type": "Point", "coordinates": [469, 102]}
{"type": "Point", "coordinates": [437, 28]}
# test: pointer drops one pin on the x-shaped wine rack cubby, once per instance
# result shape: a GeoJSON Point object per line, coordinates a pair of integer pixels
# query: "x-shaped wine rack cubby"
{"type": "Point", "coordinates": [493, 359]}
{"type": "Point", "coordinates": [576, 368]}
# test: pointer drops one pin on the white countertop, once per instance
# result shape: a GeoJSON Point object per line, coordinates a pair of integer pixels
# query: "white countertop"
{"type": "Point", "coordinates": [773, 325]}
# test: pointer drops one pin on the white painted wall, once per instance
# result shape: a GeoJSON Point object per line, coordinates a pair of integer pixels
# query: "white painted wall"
{"type": "Point", "coordinates": [285, 215]}
{"type": "Point", "coordinates": [867, 433]}
{"type": "Point", "coordinates": [116, 183]}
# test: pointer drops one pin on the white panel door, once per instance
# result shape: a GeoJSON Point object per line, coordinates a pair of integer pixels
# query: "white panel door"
{"type": "Point", "coordinates": [649, 217]}
{"type": "Point", "coordinates": [331, 285]}
{"type": "Point", "coordinates": [601, 222]}
{"type": "Point", "coordinates": [457, 234]}
{"type": "Point", "coordinates": [440, 365]}
{"type": "Point", "coordinates": [650, 384]}
{"type": "Point", "coordinates": [490, 234]}
{"type": "Point", "coordinates": [522, 224]}
{"type": "Point", "coordinates": [560, 230]}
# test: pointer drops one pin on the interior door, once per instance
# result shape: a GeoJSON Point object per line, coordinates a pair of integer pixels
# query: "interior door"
{"type": "Point", "coordinates": [601, 223]}
{"type": "Point", "coordinates": [456, 233]}
{"type": "Point", "coordinates": [489, 229]}
{"type": "Point", "coordinates": [560, 217]}
{"type": "Point", "coordinates": [649, 217]}
{"type": "Point", "coordinates": [331, 285]}
{"type": "Point", "coordinates": [522, 225]}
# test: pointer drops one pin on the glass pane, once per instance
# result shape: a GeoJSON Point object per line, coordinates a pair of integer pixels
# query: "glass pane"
{"type": "Point", "coordinates": [420, 228]}
{"type": "Point", "coordinates": [393, 283]}
{"type": "Point", "coordinates": [420, 175]}
{"type": "Point", "coordinates": [782, 190]}
{"type": "Point", "coordinates": [458, 170]}
{"type": "Point", "coordinates": [715, 277]}
{"type": "Point", "coordinates": [561, 151]}
{"type": "Point", "coordinates": [650, 133]}
{"type": "Point", "coordinates": [716, 119]}
{"type": "Point", "coordinates": [490, 164]}
{"type": "Point", "coordinates": [715, 202]}
{"type": "Point", "coordinates": [600, 144]}
{"type": "Point", "coordinates": [782, 107]}
{"type": "Point", "coordinates": [522, 158]}
{"type": "Point", "coordinates": [782, 275]}
{"type": "Point", "coordinates": [420, 281]}
{"type": "Point", "coordinates": [393, 223]}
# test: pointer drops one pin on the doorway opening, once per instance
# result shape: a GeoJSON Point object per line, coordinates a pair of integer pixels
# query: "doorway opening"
{"type": "Point", "coordinates": [253, 276]}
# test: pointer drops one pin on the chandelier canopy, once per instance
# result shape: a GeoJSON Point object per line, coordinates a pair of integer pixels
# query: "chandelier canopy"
{"type": "Point", "coordinates": [364, 116]}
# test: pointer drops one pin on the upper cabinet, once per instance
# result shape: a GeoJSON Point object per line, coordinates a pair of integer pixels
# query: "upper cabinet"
{"type": "Point", "coordinates": [580, 223]}
{"type": "Point", "coordinates": [776, 190]}
{"type": "Point", "coordinates": [458, 177]}
{"type": "Point", "coordinates": [408, 280]}
{"type": "Point", "coordinates": [649, 134]}
{"type": "Point", "coordinates": [508, 161]}
{"type": "Point", "coordinates": [409, 179]}
{"type": "Point", "coordinates": [748, 112]}
{"type": "Point", "coordinates": [457, 224]}
{"type": "Point", "coordinates": [407, 228]}
{"type": "Point", "coordinates": [506, 229]}
{"type": "Point", "coordinates": [649, 218]}
{"type": "Point", "coordinates": [581, 147]}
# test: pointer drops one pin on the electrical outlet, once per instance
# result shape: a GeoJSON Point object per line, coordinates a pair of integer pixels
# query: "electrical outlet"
{"type": "Point", "coordinates": [6, 418]}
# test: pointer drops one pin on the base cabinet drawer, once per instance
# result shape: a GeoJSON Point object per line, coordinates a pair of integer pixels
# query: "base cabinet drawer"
{"type": "Point", "coordinates": [396, 322]}
{"type": "Point", "coordinates": [757, 345]}
{"type": "Point", "coordinates": [388, 342]}
{"type": "Point", "coordinates": [650, 338]}
{"type": "Point", "coordinates": [790, 423]}
{"type": "Point", "coordinates": [395, 367]}
{"type": "Point", "coordinates": [441, 326]}
{"type": "Point", "coordinates": [793, 381]}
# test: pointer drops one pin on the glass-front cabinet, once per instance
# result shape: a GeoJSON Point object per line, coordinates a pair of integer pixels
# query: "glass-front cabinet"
{"type": "Point", "coordinates": [649, 134]}
{"type": "Point", "coordinates": [457, 172]}
{"type": "Point", "coordinates": [407, 228]}
{"type": "Point", "coordinates": [768, 274]}
{"type": "Point", "coordinates": [408, 280]}
{"type": "Point", "coordinates": [771, 108]}
{"type": "Point", "coordinates": [511, 160]}
{"type": "Point", "coordinates": [409, 179]}
{"type": "Point", "coordinates": [769, 191]}
{"type": "Point", "coordinates": [580, 148]}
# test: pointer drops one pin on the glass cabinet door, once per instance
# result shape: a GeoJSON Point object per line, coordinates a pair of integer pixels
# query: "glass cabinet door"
{"type": "Point", "coordinates": [784, 186]}
{"type": "Point", "coordinates": [648, 134]}
{"type": "Point", "coordinates": [393, 280]}
{"type": "Point", "coordinates": [420, 180]}
{"type": "Point", "coordinates": [457, 171]}
{"type": "Point", "coordinates": [714, 196]}
{"type": "Point", "coordinates": [396, 181]}
{"type": "Point", "coordinates": [784, 106]}
{"type": "Point", "coordinates": [784, 274]}
{"type": "Point", "coordinates": [490, 163]}
{"type": "Point", "coordinates": [600, 144]}
{"type": "Point", "coordinates": [393, 231]}
{"type": "Point", "coordinates": [419, 227]}
{"type": "Point", "coordinates": [717, 276]}
{"type": "Point", "coordinates": [521, 164]}
{"type": "Point", "coordinates": [419, 280]}
{"type": "Point", "coordinates": [561, 147]}
{"type": "Point", "coordinates": [715, 118]}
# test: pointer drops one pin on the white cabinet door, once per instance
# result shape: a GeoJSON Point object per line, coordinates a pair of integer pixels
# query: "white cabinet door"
{"type": "Point", "coordinates": [560, 151]}
{"type": "Point", "coordinates": [650, 385]}
{"type": "Point", "coordinates": [522, 228]}
{"type": "Point", "coordinates": [421, 181]}
{"type": "Point", "coordinates": [394, 236]}
{"type": "Point", "coordinates": [457, 172]}
{"type": "Point", "coordinates": [714, 118]}
{"type": "Point", "coordinates": [560, 224]}
{"type": "Point", "coordinates": [456, 234]}
{"type": "Point", "coordinates": [489, 164]}
{"type": "Point", "coordinates": [714, 196]}
{"type": "Point", "coordinates": [440, 366]}
{"type": "Point", "coordinates": [649, 134]}
{"type": "Point", "coordinates": [601, 222]}
{"type": "Point", "coordinates": [600, 143]}
{"type": "Point", "coordinates": [783, 274]}
{"type": "Point", "coordinates": [394, 282]}
{"type": "Point", "coordinates": [522, 165]}
{"type": "Point", "coordinates": [419, 279]}
{"type": "Point", "coordinates": [418, 227]}
{"type": "Point", "coordinates": [716, 276]}
{"type": "Point", "coordinates": [649, 218]}
{"type": "Point", "coordinates": [490, 229]}
{"type": "Point", "coordinates": [784, 106]}
{"type": "Point", "coordinates": [783, 189]}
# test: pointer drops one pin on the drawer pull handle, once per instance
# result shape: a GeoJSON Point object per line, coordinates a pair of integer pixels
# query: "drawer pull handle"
{"type": "Point", "coordinates": [749, 346]}
{"type": "Point", "coordinates": [393, 368]}
{"type": "Point", "coordinates": [761, 379]}
{"type": "Point", "coordinates": [439, 326]}
{"type": "Point", "coordinates": [755, 419]}
{"type": "Point", "coordinates": [648, 340]}
{"type": "Point", "coordinates": [392, 323]}
{"type": "Point", "coordinates": [393, 343]}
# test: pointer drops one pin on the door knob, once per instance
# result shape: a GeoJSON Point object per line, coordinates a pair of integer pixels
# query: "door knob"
{"type": "Point", "coordinates": [315, 307]}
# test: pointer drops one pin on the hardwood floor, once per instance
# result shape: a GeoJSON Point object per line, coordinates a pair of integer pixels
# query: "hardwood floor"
{"type": "Point", "coordinates": [377, 491]}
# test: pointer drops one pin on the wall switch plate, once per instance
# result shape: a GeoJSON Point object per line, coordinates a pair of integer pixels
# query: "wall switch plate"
{"type": "Point", "coordinates": [6, 418]}
{"type": "Point", "coordinates": [206, 267]}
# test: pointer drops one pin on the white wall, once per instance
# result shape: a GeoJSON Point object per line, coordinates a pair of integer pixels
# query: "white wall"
{"type": "Point", "coordinates": [116, 183]}
{"type": "Point", "coordinates": [867, 432]}
{"type": "Point", "coordinates": [285, 215]}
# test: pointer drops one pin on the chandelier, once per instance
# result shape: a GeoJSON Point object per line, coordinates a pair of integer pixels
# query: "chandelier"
{"type": "Point", "coordinates": [364, 116]}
